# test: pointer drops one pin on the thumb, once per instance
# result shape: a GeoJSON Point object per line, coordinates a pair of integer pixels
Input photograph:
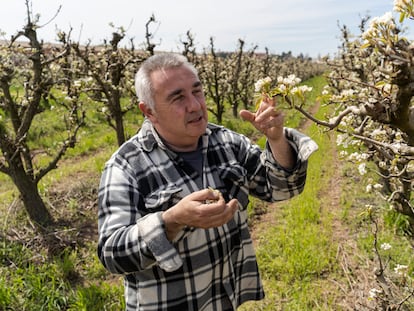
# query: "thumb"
{"type": "Point", "coordinates": [247, 115]}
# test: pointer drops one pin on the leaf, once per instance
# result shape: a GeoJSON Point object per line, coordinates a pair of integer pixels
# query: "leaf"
{"type": "Point", "coordinates": [402, 17]}
{"type": "Point", "coordinates": [380, 84]}
{"type": "Point", "coordinates": [258, 101]}
{"type": "Point", "coordinates": [366, 45]}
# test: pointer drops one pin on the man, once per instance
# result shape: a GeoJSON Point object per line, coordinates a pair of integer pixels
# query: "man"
{"type": "Point", "coordinates": [173, 199]}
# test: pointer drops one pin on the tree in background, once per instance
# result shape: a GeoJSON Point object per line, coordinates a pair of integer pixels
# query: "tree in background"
{"type": "Point", "coordinates": [214, 76]}
{"type": "Point", "coordinates": [108, 78]}
{"type": "Point", "coordinates": [35, 79]}
{"type": "Point", "coordinates": [241, 71]}
{"type": "Point", "coordinates": [189, 49]}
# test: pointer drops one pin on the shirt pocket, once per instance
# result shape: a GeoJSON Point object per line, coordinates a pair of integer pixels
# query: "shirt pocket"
{"type": "Point", "coordinates": [162, 199]}
{"type": "Point", "coordinates": [233, 172]}
{"type": "Point", "coordinates": [235, 179]}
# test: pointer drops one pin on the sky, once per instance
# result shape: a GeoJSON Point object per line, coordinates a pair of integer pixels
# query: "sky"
{"type": "Point", "coordinates": [299, 26]}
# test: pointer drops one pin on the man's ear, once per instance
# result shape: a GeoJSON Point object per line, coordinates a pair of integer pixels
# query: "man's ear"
{"type": "Point", "coordinates": [147, 111]}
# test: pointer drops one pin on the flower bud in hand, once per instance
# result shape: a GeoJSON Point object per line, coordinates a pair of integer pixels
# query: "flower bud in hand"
{"type": "Point", "coordinates": [217, 195]}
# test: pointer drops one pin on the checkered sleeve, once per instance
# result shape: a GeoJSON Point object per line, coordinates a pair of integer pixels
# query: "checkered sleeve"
{"type": "Point", "coordinates": [129, 242]}
{"type": "Point", "coordinates": [287, 183]}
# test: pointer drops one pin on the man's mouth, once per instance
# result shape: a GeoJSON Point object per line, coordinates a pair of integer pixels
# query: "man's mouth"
{"type": "Point", "coordinates": [195, 120]}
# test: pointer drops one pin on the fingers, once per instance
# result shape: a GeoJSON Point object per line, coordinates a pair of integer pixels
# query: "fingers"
{"type": "Point", "coordinates": [266, 114]}
{"type": "Point", "coordinates": [247, 115]}
{"type": "Point", "coordinates": [204, 195]}
{"type": "Point", "coordinates": [266, 103]}
{"type": "Point", "coordinates": [265, 111]}
{"type": "Point", "coordinates": [217, 214]}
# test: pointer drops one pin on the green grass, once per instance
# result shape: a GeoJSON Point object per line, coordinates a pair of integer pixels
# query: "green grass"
{"type": "Point", "coordinates": [29, 282]}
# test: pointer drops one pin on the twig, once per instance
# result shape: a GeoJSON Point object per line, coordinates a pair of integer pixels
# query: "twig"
{"type": "Point", "coordinates": [54, 16]}
{"type": "Point", "coordinates": [400, 304]}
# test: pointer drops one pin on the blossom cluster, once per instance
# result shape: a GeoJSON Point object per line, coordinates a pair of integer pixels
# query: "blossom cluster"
{"type": "Point", "coordinates": [286, 87]}
{"type": "Point", "coordinates": [379, 27]}
{"type": "Point", "coordinates": [262, 84]}
{"type": "Point", "coordinates": [404, 7]}
{"type": "Point", "coordinates": [401, 5]}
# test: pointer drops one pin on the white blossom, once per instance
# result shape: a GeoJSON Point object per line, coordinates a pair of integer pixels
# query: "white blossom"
{"type": "Point", "coordinates": [378, 134]}
{"type": "Point", "coordinates": [305, 88]}
{"type": "Point", "coordinates": [356, 156]}
{"type": "Point", "coordinates": [339, 139]}
{"type": "Point", "coordinates": [332, 121]}
{"type": "Point", "coordinates": [386, 19]}
{"type": "Point", "coordinates": [401, 269]}
{"type": "Point", "coordinates": [347, 93]}
{"type": "Point", "coordinates": [362, 169]}
{"type": "Point", "coordinates": [372, 30]}
{"type": "Point", "coordinates": [378, 186]}
{"type": "Point", "coordinates": [385, 246]}
{"type": "Point", "coordinates": [282, 87]}
{"type": "Point", "coordinates": [387, 88]}
{"type": "Point", "coordinates": [373, 293]}
{"type": "Point", "coordinates": [343, 154]}
{"type": "Point", "coordinates": [260, 83]}
{"type": "Point", "coordinates": [382, 164]}
{"type": "Point", "coordinates": [400, 5]}
{"type": "Point", "coordinates": [398, 136]}
{"type": "Point", "coordinates": [291, 80]}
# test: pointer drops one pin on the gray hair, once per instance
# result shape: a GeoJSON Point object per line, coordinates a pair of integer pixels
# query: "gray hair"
{"type": "Point", "coordinates": [143, 84]}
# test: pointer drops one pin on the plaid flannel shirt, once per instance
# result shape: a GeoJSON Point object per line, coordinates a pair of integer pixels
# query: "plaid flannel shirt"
{"type": "Point", "coordinates": [201, 268]}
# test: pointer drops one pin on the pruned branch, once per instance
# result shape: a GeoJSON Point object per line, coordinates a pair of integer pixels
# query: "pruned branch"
{"type": "Point", "coordinates": [69, 143]}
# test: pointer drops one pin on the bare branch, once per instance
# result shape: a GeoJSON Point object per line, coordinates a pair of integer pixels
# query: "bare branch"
{"type": "Point", "coordinates": [69, 143]}
{"type": "Point", "coordinates": [53, 17]}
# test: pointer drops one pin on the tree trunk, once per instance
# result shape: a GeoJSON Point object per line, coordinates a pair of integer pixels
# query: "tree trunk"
{"type": "Point", "coordinates": [235, 108]}
{"type": "Point", "coordinates": [32, 201]}
{"type": "Point", "coordinates": [120, 131]}
{"type": "Point", "coordinates": [117, 116]}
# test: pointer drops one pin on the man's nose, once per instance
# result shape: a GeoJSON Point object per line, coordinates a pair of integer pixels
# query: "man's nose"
{"type": "Point", "coordinates": [194, 103]}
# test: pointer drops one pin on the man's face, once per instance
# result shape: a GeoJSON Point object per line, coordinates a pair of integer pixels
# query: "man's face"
{"type": "Point", "coordinates": [180, 114]}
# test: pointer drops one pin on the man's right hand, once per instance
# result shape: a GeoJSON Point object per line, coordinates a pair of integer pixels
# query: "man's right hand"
{"type": "Point", "coordinates": [193, 211]}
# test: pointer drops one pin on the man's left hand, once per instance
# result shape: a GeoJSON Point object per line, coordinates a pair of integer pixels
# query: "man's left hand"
{"type": "Point", "coordinates": [267, 119]}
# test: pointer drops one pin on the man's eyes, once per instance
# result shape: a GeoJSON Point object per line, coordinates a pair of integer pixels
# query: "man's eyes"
{"type": "Point", "coordinates": [179, 97]}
